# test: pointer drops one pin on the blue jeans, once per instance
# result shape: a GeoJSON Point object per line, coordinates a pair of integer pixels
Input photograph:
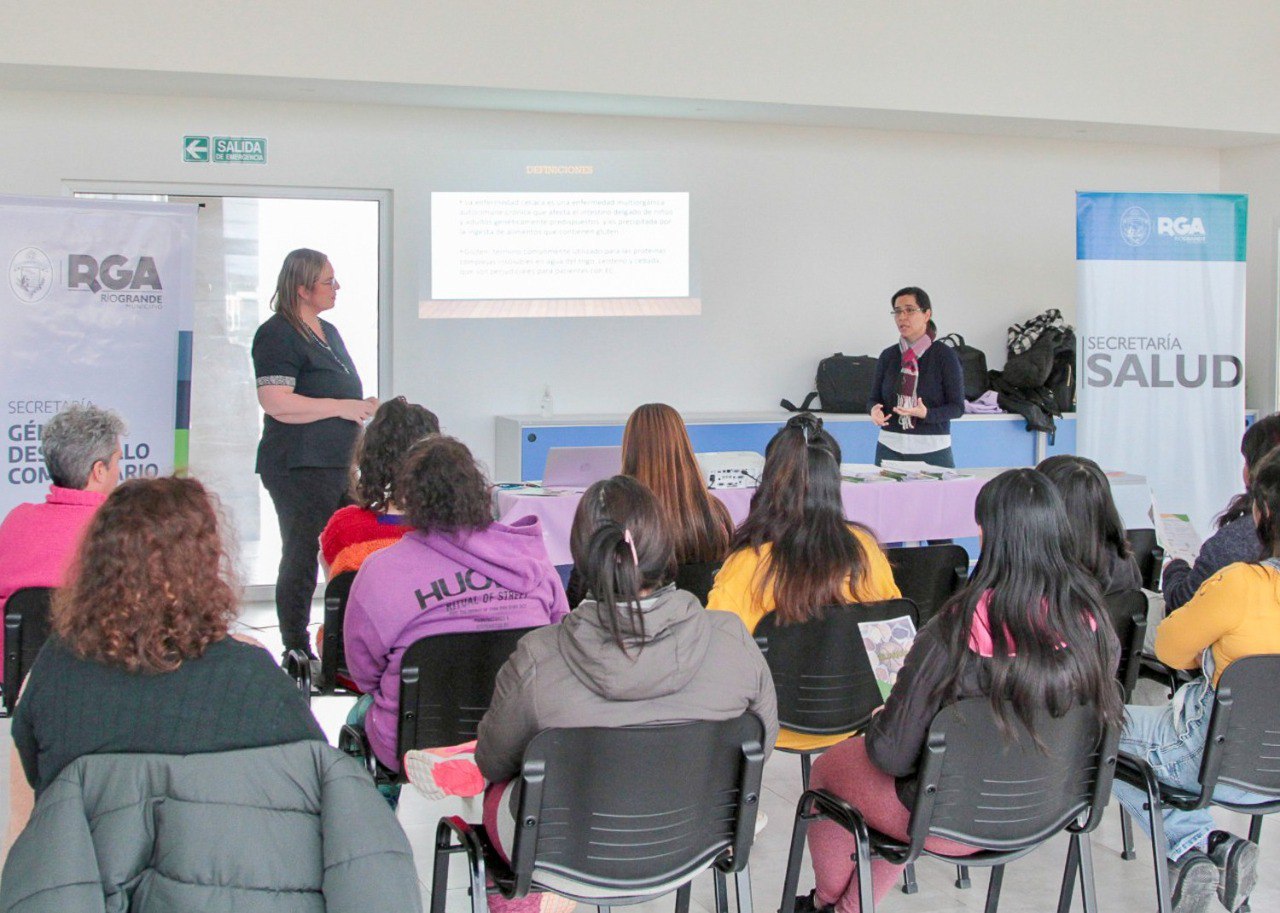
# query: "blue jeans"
{"type": "Point", "coordinates": [943, 458]}
{"type": "Point", "coordinates": [1171, 739]}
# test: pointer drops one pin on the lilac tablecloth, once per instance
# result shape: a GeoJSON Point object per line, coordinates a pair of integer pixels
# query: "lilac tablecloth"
{"type": "Point", "coordinates": [895, 511]}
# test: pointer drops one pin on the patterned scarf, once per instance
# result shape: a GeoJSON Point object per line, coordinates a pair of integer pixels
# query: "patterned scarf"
{"type": "Point", "coordinates": [909, 376]}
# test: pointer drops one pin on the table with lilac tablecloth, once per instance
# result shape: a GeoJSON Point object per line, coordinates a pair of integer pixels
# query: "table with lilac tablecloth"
{"type": "Point", "coordinates": [895, 511]}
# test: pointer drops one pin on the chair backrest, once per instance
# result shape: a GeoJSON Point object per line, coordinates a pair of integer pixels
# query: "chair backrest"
{"type": "Point", "coordinates": [698, 578]}
{"type": "Point", "coordinates": [333, 657]}
{"type": "Point", "coordinates": [1244, 732]}
{"type": "Point", "coordinates": [1002, 793]}
{"type": "Point", "coordinates": [26, 628]}
{"type": "Point", "coordinates": [638, 808]}
{"type": "Point", "coordinates": [446, 685]}
{"type": "Point", "coordinates": [1128, 611]}
{"type": "Point", "coordinates": [825, 679]}
{"type": "Point", "coordinates": [1149, 554]}
{"type": "Point", "coordinates": [928, 574]}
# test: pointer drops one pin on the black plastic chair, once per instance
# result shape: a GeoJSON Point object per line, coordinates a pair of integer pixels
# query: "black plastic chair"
{"type": "Point", "coordinates": [446, 685]}
{"type": "Point", "coordinates": [821, 671]}
{"type": "Point", "coordinates": [620, 816]}
{"type": "Point", "coordinates": [26, 628]}
{"type": "Point", "coordinates": [1128, 611]}
{"type": "Point", "coordinates": [332, 668]}
{"type": "Point", "coordinates": [1240, 750]}
{"type": "Point", "coordinates": [698, 578]}
{"type": "Point", "coordinates": [1004, 797]}
{"type": "Point", "coordinates": [928, 574]}
{"type": "Point", "coordinates": [1149, 554]}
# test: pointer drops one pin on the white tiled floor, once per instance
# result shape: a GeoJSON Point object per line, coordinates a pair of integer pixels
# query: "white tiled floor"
{"type": "Point", "coordinates": [1031, 884]}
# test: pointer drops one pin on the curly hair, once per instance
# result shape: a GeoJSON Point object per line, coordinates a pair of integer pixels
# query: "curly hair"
{"type": "Point", "coordinates": [442, 488]}
{"type": "Point", "coordinates": [395, 427]}
{"type": "Point", "coordinates": [152, 584]}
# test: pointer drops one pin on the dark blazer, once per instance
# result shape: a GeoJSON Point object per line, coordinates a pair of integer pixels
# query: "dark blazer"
{"type": "Point", "coordinates": [940, 386]}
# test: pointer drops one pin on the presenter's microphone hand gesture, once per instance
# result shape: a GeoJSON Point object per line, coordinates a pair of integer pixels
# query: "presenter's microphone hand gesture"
{"type": "Point", "coordinates": [878, 416]}
{"type": "Point", "coordinates": [358, 410]}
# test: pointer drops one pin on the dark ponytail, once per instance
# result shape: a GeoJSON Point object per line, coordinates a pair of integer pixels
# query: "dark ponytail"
{"type": "Point", "coordinates": [621, 548]}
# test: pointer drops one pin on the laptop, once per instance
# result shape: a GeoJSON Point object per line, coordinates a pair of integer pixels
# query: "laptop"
{"type": "Point", "coordinates": [578, 467]}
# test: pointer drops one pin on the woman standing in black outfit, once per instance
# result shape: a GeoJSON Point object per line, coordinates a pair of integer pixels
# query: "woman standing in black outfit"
{"type": "Point", "coordinates": [311, 394]}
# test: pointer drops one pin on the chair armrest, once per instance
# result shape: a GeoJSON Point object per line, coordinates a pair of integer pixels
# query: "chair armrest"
{"type": "Point", "coordinates": [354, 741]}
{"type": "Point", "coordinates": [298, 666]}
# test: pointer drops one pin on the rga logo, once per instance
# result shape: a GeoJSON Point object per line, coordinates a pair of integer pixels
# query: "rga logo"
{"type": "Point", "coordinates": [86, 273]}
{"type": "Point", "coordinates": [1135, 226]}
{"type": "Point", "coordinates": [1188, 231]}
{"type": "Point", "coordinates": [30, 274]}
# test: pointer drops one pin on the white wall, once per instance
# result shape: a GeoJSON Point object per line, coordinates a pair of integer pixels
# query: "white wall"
{"type": "Point", "coordinates": [1256, 171]}
{"type": "Point", "coordinates": [1157, 63]}
{"type": "Point", "coordinates": [802, 235]}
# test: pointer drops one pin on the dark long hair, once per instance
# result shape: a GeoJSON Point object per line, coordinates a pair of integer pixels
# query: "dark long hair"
{"type": "Point", "coordinates": [1266, 498]}
{"type": "Point", "coordinates": [656, 451]}
{"type": "Point", "coordinates": [1052, 643]}
{"type": "Point", "coordinates": [1259, 439]}
{"type": "Point", "coordinates": [395, 427]}
{"type": "Point", "coordinates": [1091, 511]}
{"type": "Point", "coordinates": [814, 558]}
{"type": "Point", "coordinates": [620, 545]}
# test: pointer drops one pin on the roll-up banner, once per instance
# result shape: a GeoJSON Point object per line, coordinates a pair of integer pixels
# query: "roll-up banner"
{"type": "Point", "coordinates": [1161, 328]}
{"type": "Point", "coordinates": [96, 307]}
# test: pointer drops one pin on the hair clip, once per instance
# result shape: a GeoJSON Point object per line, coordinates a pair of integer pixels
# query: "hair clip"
{"type": "Point", "coordinates": [626, 537]}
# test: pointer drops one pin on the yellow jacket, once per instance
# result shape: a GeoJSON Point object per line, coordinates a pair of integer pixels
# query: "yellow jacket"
{"type": "Point", "coordinates": [1236, 612]}
{"type": "Point", "coordinates": [737, 589]}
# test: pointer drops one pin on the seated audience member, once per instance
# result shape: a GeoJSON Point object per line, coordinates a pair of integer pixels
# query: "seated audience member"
{"type": "Point", "coordinates": [657, 452]}
{"type": "Point", "coordinates": [1023, 631]}
{"type": "Point", "coordinates": [639, 652]}
{"type": "Point", "coordinates": [425, 584]}
{"type": "Point", "coordinates": [81, 446]}
{"type": "Point", "coordinates": [1101, 543]}
{"type": "Point", "coordinates": [796, 553]}
{"type": "Point", "coordinates": [1236, 538]}
{"type": "Point", "coordinates": [140, 659]}
{"type": "Point", "coordinates": [1234, 614]}
{"type": "Point", "coordinates": [375, 521]}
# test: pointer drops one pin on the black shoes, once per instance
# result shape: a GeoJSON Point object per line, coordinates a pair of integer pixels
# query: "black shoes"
{"type": "Point", "coordinates": [808, 903]}
{"type": "Point", "coordinates": [1237, 863]}
{"type": "Point", "coordinates": [1195, 883]}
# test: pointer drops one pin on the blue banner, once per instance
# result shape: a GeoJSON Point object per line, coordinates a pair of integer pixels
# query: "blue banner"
{"type": "Point", "coordinates": [1161, 226]}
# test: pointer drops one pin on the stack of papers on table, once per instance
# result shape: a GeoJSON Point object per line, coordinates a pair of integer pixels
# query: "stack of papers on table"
{"type": "Point", "coordinates": [862, 472]}
{"type": "Point", "coordinates": [909, 470]}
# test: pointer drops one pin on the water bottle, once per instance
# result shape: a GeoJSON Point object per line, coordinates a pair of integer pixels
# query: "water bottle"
{"type": "Point", "coordinates": [547, 409]}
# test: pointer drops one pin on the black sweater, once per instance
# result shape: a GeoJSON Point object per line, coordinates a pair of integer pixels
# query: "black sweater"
{"type": "Point", "coordinates": [940, 386]}
{"type": "Point", "coordinates": [234, 696]}
{"type": "Point", "coordinates": [897, 734]}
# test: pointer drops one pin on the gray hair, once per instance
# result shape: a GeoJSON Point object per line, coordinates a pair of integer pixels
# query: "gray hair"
{"type": "Point", "coordinates": [77, 438]}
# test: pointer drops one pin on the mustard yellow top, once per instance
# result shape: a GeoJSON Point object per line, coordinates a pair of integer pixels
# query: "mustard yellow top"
{"type": "Point", "coordinates": [1236, 612]}
{"type": "Point", "coordinates": [737, 589]}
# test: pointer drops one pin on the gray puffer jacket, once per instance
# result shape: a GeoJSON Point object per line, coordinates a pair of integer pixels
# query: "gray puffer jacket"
{"type": "Point", "coordinates": [295, 827]}
{"type": "Point", "coordinates": [689, 663]}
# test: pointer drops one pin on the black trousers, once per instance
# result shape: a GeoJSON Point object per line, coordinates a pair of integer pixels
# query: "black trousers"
{"type": "Point", "coordinates": [304, 499]}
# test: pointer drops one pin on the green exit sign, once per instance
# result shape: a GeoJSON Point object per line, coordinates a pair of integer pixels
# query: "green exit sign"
{"type": "Point", "coordinates": [226, 150]}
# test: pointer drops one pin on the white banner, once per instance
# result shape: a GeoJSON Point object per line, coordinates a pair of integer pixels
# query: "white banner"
{"type": "Point", "coordinates": [1161, 331]}
{"type": "Point", "coordinates": [96, 306]}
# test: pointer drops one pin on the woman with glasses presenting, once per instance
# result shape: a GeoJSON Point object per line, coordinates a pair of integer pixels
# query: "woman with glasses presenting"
{"type": "Point", "coordinates": [315, 406]}
{"type": "Point", "coordinates": [919, 387]}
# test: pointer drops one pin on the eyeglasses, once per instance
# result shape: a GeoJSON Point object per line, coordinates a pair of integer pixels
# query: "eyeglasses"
{"type": "Point", "coordinates": [898, 312]}
{"type": "Point", "coordinates": [333, 282]}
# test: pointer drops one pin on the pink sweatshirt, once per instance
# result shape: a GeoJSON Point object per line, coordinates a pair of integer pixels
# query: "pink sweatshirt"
{"type": "Point", "coordinates": [38, 541]}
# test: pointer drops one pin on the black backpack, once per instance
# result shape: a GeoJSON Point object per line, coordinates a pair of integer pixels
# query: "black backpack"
{"type": "Point", "coordinates": [974, 363]}
{"type": "Point", "coordinates": [844, 384]}
{"type": "Point", "coordinates": [1062, 376]}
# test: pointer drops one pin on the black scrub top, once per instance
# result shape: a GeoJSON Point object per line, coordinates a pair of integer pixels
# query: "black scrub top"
{"type": "Point", "coordinates": [286, 358]}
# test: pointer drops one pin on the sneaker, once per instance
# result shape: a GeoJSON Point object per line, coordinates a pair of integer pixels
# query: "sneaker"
{"type": "Point", "coordinates": [808, 903]}
{"type": "Point", "coordinates": [1237, 862]}
{"type": "Point", "coordinates": [1195, 883]}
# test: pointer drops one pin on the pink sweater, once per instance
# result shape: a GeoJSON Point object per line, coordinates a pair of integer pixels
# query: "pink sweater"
{"type": "Point", "coordinates": [38, 541]}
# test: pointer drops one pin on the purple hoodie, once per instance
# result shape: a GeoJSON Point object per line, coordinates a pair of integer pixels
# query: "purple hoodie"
{"type": "Point", "coordinates": [441, 583]}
